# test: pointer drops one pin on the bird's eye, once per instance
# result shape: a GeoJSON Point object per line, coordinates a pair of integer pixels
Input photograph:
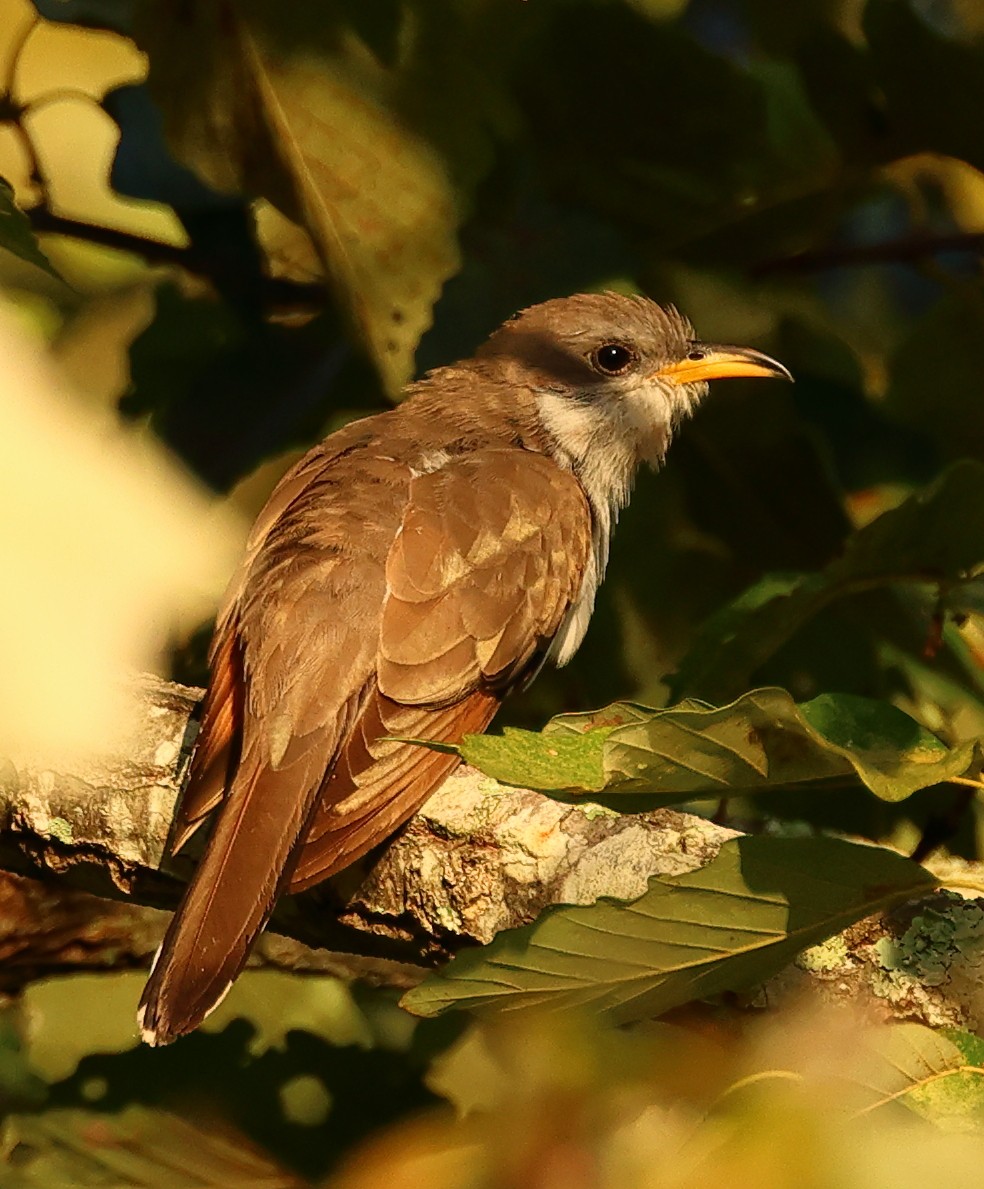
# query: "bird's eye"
{"type": "Point", "coordinates": [696, 354]}
{"type": "Point", "coordinates": [613, 359]}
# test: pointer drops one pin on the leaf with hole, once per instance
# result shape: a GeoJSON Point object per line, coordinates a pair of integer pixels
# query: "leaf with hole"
{"type": "Point", "coordinates": [370, 149]}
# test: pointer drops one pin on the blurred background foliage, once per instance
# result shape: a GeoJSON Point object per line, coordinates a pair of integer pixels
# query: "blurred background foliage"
{"type": "Point", "coordinates": [238, 224]}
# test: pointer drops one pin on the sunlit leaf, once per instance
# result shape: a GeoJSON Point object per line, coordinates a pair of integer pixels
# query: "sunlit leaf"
{"type": "Point", "coordinates": [548, 763]}
{"type": "Point", "coordinates": [138, 1147]}
{"type": "Point", "coordinates": [939, 1075]}
{"type": "Point", "coordinates": [723, 927]}
{"type": "Point", "coordinates": [296, 106]}
{"type": "Point", "coordinates": [759, 743]}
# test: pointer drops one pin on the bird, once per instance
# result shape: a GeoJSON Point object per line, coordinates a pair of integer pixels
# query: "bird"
{"type": "Point", "coordinates": [411, 571]}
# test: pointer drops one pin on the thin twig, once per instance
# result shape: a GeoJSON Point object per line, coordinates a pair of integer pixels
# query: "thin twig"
{"type": "Point", "coordinates": [966, 780]}
{"type": "Point", "coordinates": [276, 291]}
{"type": "Point", "coordinates": [909, 249]}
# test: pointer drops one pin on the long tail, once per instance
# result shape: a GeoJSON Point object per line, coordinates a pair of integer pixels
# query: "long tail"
{"type": "Point", "coordinates": [247, 862]}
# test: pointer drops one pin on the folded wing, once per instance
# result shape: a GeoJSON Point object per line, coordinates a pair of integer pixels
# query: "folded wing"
{"type": "Point", "coordinates": [379, 602]}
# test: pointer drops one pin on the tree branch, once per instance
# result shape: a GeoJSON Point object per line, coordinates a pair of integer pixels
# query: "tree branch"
{"type": "Point", "coordinates": [274, 291]}
{"type": "Point", "coordinates": [897, 251]}
{"type": "Point", "coordinates": [478, 858]}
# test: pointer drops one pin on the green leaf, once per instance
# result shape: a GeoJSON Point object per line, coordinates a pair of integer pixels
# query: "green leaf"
{"type": "Point", "coordinates": [747, 141]}
{"type": "Point", "coordinates": [369, 138]}
{"type": "Point", "coordinates": [937, 536]}
{"type": "Point", "coordinates": [137, 1147]}
{"type": "Point", "coordinates": [759, 743]}
{"type": "Point", "coordinates": [744, 634]}
{"type": "Point", "coordinates": [724, 927]}
{"type": "Point", "coordinates": [893, 755]}
{"type": "Point", "coordinates": [16, 234]}
{"type": "Point", "coordinates": [550, 763]}
{"type": "Point", "coordinates": [939, 1075]}
{"type": "Point", "coordinates": [20, 1087]}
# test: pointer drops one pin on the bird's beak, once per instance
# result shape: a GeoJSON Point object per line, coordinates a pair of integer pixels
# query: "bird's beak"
{"type": "Point", "coordinates": [711, 361]}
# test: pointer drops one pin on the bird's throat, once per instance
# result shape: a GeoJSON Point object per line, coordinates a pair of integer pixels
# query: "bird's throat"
{"type": "Point", "coordinates": [605, 458]}
{"type": "Point", "coordinates": [605, 452]}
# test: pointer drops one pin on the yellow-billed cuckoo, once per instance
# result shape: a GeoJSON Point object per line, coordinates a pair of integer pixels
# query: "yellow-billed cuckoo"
{"type": "Point", "coordinates": [408, 573]}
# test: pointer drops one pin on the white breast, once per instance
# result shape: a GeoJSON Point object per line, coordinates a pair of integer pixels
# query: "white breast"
{"type": "Point", "coordinates": [604, 451]}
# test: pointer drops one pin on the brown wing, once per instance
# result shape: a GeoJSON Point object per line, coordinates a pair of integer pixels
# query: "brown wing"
{"type": "Point", "coordinates": [376, 786]}
{"type": "Point", "coordinates": [218, 736]}
{"type": "Point", "coordinates": [487, 562]}
{"type": "Point", "coordinates": [483, 560]}
{"type": "Point", "coordinates": [306, 622]}
{"type": "Point", "coordinates": [220, 732]}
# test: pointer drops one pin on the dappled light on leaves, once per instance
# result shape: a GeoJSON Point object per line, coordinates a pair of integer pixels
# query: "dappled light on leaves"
{"type": "Point", "coordinates": [56, 75]}
{"type": "Point", "coordinates": [551, 1104]}
{"type": "Point", "coordinates": [630, 754]}
{"type": "Point", "coordinates": [375, 198]}
{"type": "Point", "coordinates": [240, 225]}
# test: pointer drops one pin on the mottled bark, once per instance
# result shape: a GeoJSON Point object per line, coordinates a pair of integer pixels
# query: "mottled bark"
{"type": "Point", "coordinates": [480, 857]}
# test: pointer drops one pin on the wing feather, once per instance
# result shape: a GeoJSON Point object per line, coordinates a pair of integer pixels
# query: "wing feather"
{"type": "Point", "coordinates": [306, 626]}
{"type": "Point", "coordinates": [469, 610]}
{"type": "Point", "coordinates": [469, 607]}
{"type": "Point", "coordinates": [218, 737]}
{"type": "Point", "coordinates": [362, 805]}
{"type": "Point", "coordinates": [244, 868]}
{"type": "Point", "coordinates": [374, 601]}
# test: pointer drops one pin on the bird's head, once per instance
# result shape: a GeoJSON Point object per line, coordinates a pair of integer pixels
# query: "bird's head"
{"type": "Point", "coordinates": [610, 368]}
